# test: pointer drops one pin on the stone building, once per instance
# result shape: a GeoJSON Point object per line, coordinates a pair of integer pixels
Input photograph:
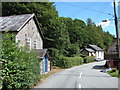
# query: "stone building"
{"type": "Point", "coordinates": [27, 33]}
{"type": "Point", "coordinates": [25, 28]}
{"type": "Point", "coordinates": [111, 55]}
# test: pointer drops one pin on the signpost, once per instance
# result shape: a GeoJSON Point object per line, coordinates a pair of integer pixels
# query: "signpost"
{"type": "Point", "coordinates": [117, 35]}
{"type": "Point", "coordinates": [119, 19]}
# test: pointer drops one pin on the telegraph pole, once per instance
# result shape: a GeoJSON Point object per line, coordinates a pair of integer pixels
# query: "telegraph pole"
{"type": "Point", "coordinates": [117, 36]}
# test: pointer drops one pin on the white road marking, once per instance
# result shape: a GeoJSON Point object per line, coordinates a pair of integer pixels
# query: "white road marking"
{"type": "Point", "coordinates": [80, 75]}
{"type": "Point", "coordinates": [79, 85]}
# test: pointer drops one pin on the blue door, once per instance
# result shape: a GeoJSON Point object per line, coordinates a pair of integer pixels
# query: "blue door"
{"type": "Point", "coordinates": [45, 64]}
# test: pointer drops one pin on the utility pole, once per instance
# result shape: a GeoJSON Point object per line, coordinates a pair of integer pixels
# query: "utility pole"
{"type": "Point", "coordinates": [117, 36]}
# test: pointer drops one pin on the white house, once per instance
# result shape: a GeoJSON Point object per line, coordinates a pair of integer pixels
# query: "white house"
{"type": "Point", "coordinates": [88, 52]}
{"type": "Point", "coordinates": [93, 50]}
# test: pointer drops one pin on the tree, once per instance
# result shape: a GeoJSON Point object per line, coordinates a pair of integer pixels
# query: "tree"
{"type": "Point", "coordinates": [63, 34]}
{"type": "Point", "coordinates": [20, 67]}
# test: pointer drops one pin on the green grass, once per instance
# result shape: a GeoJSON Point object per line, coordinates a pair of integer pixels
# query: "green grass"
{"type": "Point", "coordinates": [114, 73]}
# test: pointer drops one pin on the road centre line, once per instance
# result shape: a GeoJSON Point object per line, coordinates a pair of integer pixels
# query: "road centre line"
{"type": "Point", "coordinates": [80, 75]}
{"type": "Point", "coordinates": [79, 85]}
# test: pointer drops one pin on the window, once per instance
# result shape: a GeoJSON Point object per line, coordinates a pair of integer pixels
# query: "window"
{"type": "Point", "coordinates": [98, 53]}
{"type": "Point", "coordinates": [35, 44]}
{"type": "Point", "coordinates": [28, 42]}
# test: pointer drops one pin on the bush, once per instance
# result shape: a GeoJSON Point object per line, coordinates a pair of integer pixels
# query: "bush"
{"type": "Point", "coordinates": [64, 62]}
{"type": "Point", "coordinates": [88, 59]}
{"type": "Point", "coordinates": [67, 62]}
{"type": "Point", "coordinates": [20, 67]}
{"type": "Point", "coordinates": [54, 55]}
{"type": "Point", "coordinates": [57, 59]}
{"type": "Point", "coordinates": [74, 61]}
{"type": "Point", "coordinates": [114, 73]}
{"type": "Point", "coordinates": [61, 61]}
{"type": "Point", "coordinates": [113, 70]}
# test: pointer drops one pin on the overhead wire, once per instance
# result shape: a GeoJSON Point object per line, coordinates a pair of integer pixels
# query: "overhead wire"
{"type": "Point", "coordinates": [68, 4]}
{"type": "Point", "coordinates": [75, 13]}
{"type": "Point", "coordinates": [87, 8]}
{"type": "Point", "coordinates": [100, 15]}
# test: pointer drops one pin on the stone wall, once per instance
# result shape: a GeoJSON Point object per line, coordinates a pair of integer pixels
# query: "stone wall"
{"type": "Point", "coordinates": [30, 32]}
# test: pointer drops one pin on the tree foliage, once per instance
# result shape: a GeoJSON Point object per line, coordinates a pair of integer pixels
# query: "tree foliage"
{"type": "Point", "coordinates": [20, 67]}
{"type": "Point", "coordinates": [64, 35]}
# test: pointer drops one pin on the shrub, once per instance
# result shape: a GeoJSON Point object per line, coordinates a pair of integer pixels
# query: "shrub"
{"type": "Point", "coordinates": [114, 73]}
{"type": "Point", "coordinates": [61, 61]}
{"type": "Point", "coordinates": [113, 70]}
{"type": "Point", "coordinates": [54, 54]}
{"type": "Point", "coordinates": [74, 61]}
{"type": "Point", "coordinates": [88, 59]}
{"type": "Point", "coordinates": [20, 67]}
{"type": "Point", "coordinates": [58, 59]}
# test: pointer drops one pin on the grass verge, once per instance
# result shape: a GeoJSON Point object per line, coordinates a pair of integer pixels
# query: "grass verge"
{"type": "Point", "coordinates": [114, 73]}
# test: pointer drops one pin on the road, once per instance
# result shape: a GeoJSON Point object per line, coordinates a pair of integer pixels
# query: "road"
{"type": "Point", "coordinates": [83, 76]}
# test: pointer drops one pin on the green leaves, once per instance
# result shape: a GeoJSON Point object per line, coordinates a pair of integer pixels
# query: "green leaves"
{"type": "Point", "coordinates": [88, 59]}
{"type": "Point", "coordinates": [60, 32]}
{"type": "Point", "coordinates": [20, 67]}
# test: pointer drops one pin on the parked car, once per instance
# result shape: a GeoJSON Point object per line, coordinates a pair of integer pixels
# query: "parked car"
{"type": "Point", "coordinates": [98, 59]}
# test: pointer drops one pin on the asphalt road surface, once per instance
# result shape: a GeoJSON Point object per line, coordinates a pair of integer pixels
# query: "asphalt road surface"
{"type": "Point", "coordinates": [83, 76]}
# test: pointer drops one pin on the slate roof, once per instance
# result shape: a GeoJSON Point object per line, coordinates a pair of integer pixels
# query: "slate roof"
{"type": "Point", "coordinates": [95, 47]}
{"type": "Point", "coordinates": [89, 49]}
{"type": "Point", "coordinates": [15, 22]}
{"type": "Point", "coordinates": [41, 53]}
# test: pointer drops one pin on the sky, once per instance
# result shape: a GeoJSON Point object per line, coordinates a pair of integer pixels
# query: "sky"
{"type": "Point", "coordinates": [97, 11]}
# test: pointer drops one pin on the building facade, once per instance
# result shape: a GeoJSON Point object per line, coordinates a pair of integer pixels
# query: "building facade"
{"type": "Point", "coordinates": [27, 33]}
{"type": "Point", "coordinates": [29, 36]}
{"type": "Point", "coordinates": [93, 50]}
{"type": "Point", "coordinates": [111, 55]}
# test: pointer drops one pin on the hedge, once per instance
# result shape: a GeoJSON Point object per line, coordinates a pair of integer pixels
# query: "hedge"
{"type": "Point", "coordinates": [74, 61]}
{"type": "Point", "coordinates": [67, 62]}
{"type": "Point", "coordinates": [88, 59]}
{"type": "Point", "coordinates": [20, 67]}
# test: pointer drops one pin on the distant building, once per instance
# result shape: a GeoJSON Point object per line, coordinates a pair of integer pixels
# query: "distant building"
{"type": "Point", "coordinates": [111, 55]}
{"type": "Point", "coordinates": [27, 31]}
{"type": "Point", "coordinates": [88, 52]}
{"type": "Point", "coordinates": [93, 50]}
{"type": "Point", "coordinates": [112, 48]}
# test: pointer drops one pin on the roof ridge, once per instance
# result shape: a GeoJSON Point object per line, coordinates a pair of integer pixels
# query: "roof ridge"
{"type": "Point", "coordinates": [17, 15]}
{"type": "Point", "coordinates": [32, 15]}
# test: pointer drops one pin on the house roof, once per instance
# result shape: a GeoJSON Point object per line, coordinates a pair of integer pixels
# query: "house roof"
{"type": "Point", "coordinates": [89, 49]}
{"type": "Point", "coordinates": [17, 22]}
{"type": "Point", "coordinates": [14, 23]}
{"type": "Point", "coordinates": [95, 47]}
{"type": "Point", "coordinates": [41, 53]}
